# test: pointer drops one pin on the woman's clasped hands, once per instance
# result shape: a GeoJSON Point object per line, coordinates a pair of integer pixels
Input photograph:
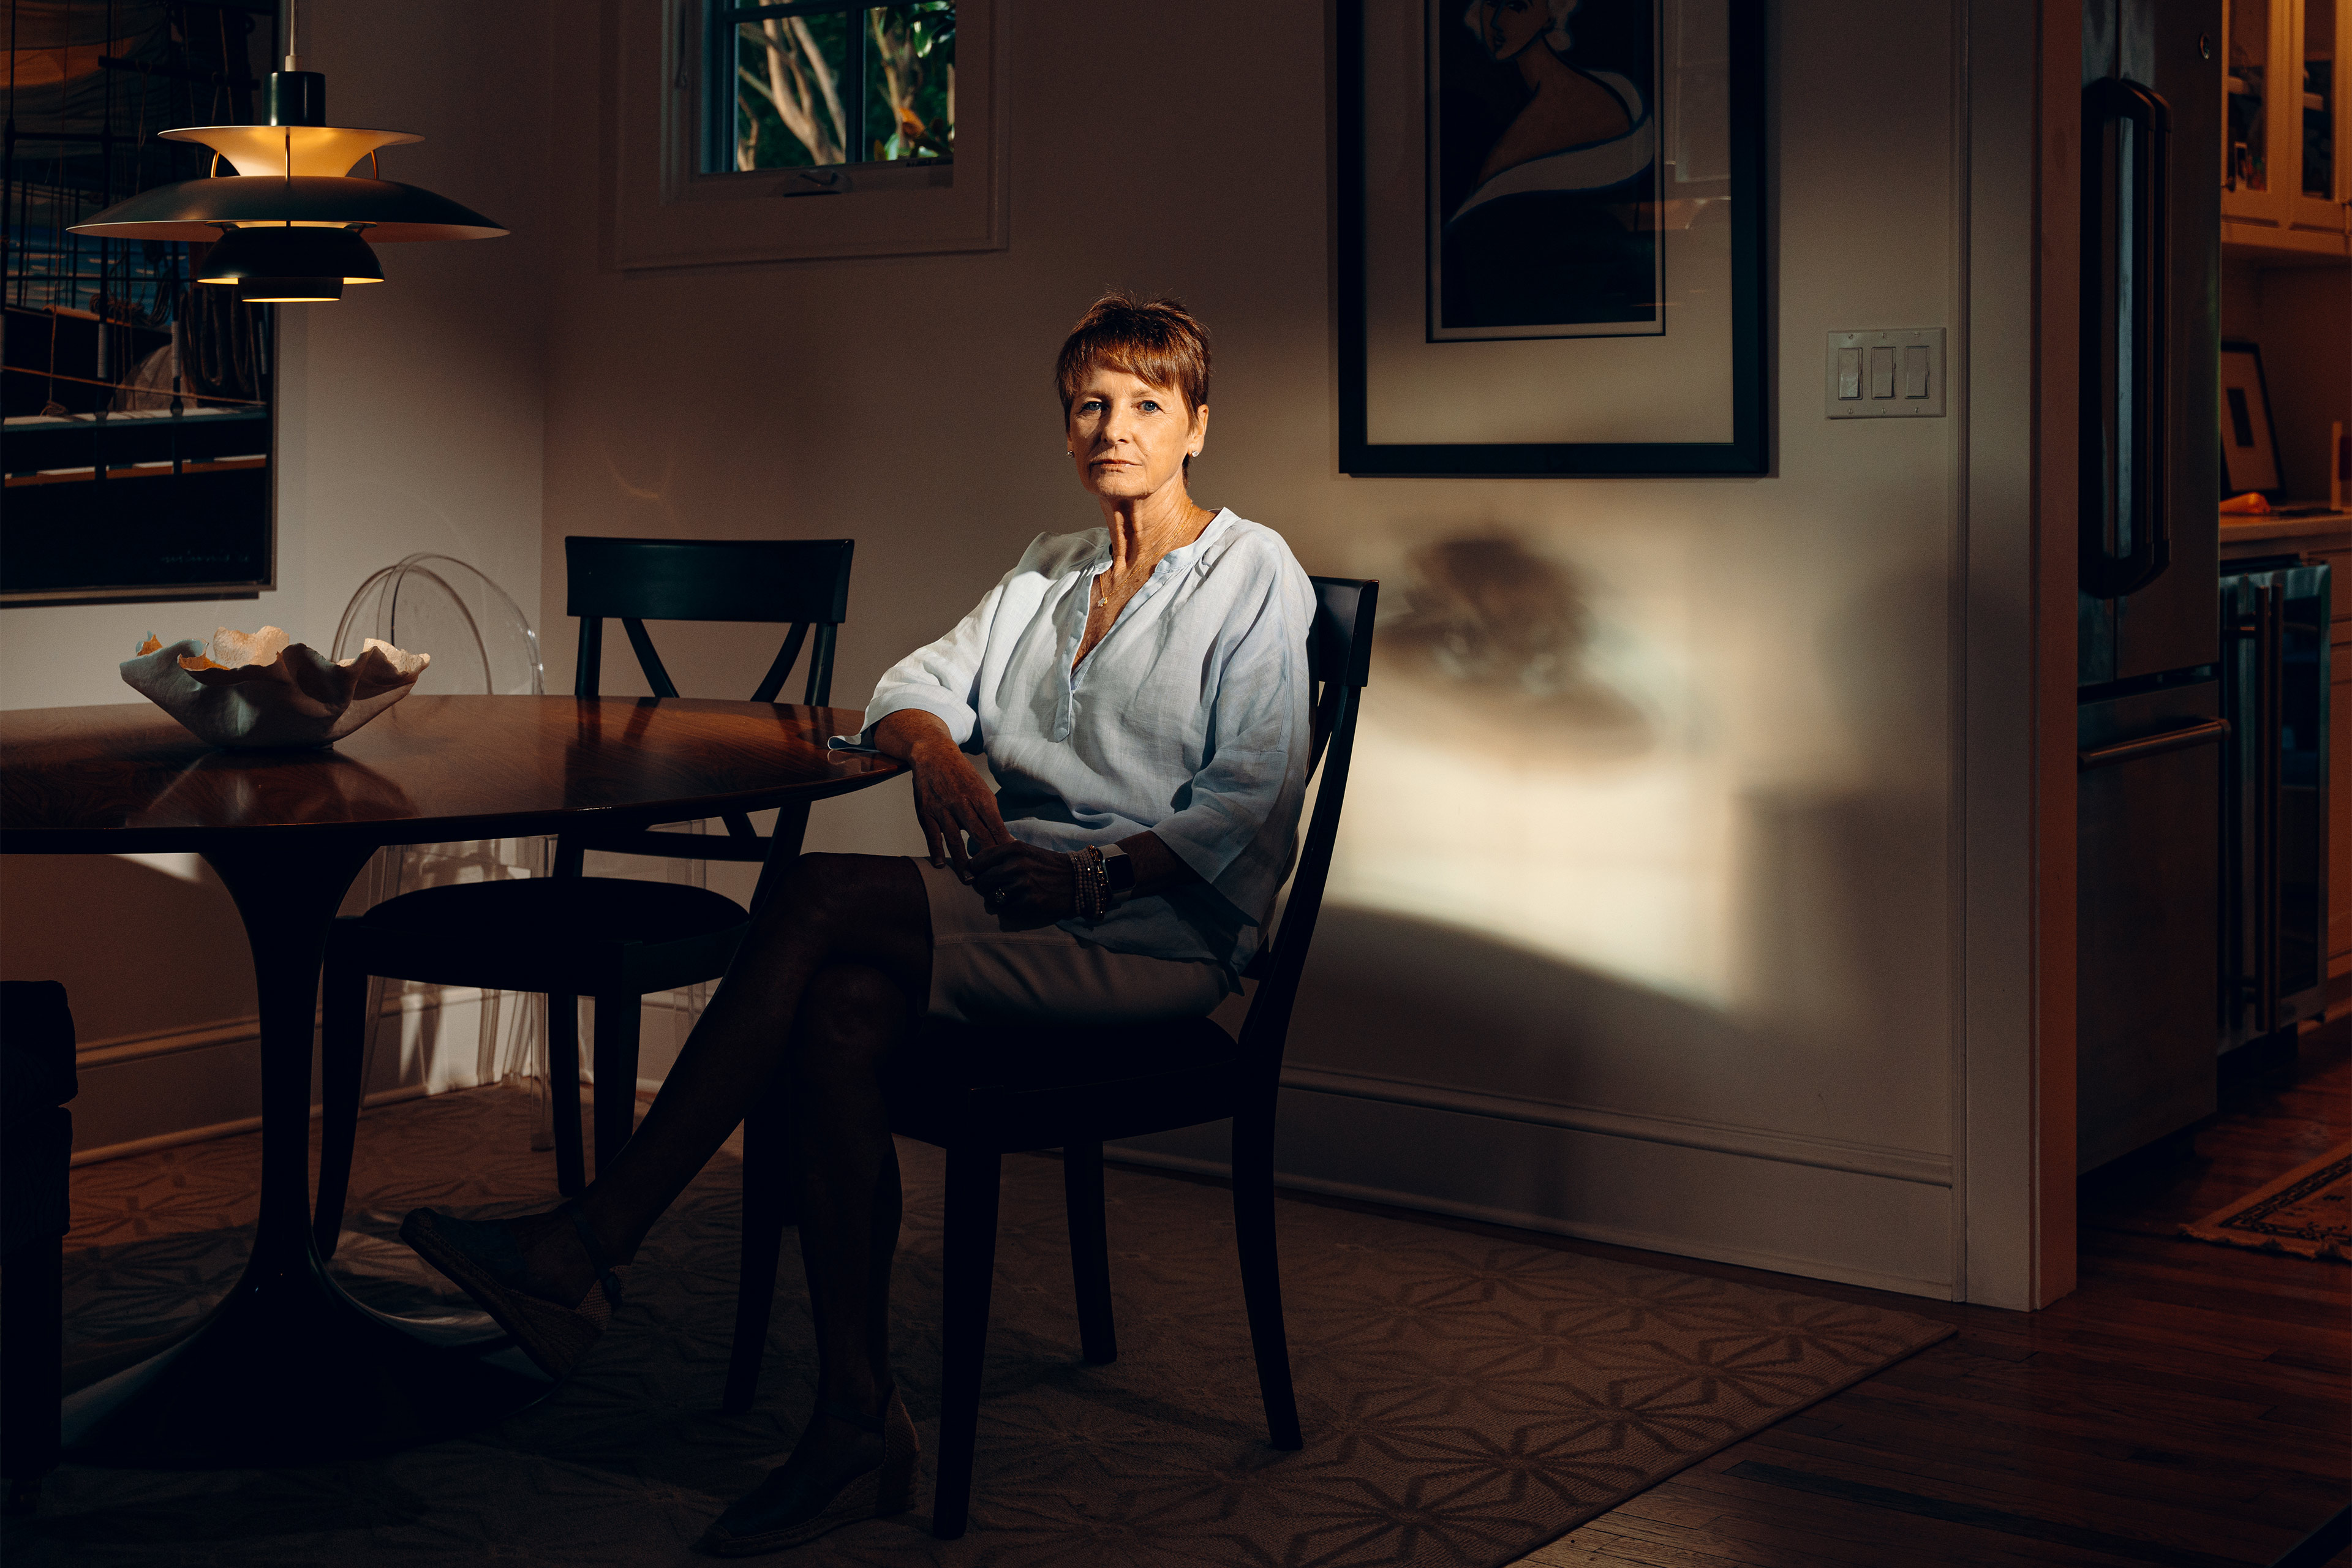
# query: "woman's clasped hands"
{"type": "Point", "coordinates": [1020, 882]}
{"type": "Point", "coordinates": [1025, 886]}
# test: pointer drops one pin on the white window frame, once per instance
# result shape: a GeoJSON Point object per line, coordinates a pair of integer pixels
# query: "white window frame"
{"type": "Point", "coordinates": [665, 212]}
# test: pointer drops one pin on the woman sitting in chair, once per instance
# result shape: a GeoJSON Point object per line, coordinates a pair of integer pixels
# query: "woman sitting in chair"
{"type": "Point", "coordinates": [1141, 693]}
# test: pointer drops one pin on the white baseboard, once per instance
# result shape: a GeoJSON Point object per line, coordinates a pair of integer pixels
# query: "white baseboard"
{"type": "Point", "coordinates": [1796, 1148]}
{"type": "Point", "coordinates": [178, 1136]}
{"type": "Point", "coordinates": [1734, 1198]}
{"type": "Point", "coordinates": [1789, 1203]}
{"type": "Point", "coordinates": [116, 1049]}
{"type": "Point", "coordinates": [1549, 1225]}
{"type": "Point", "coordinates": [161, 1088]}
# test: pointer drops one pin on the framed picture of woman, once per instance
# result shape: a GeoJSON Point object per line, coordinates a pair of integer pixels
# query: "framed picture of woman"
{"type": "Point", "coordinates": [1551, 237]}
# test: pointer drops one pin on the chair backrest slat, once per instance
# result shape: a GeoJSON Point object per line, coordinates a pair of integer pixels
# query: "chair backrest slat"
{"type": "Point", "coordinates": [786, 656]}
{"type": "Point", "coordinates": [708, 579]}
{"type": "Point", "coordinates": [648, 660]}
{"type": "Point", "coordinates": [820, 672]}
{"type": "Point", "coordinates": [1340, 655]}
{"type": "Point", "coordinates": [801, 583]}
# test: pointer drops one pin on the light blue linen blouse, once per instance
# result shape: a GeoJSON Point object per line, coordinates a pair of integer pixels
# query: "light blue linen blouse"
{"type": "Point", "coordinates": [1189, 719]}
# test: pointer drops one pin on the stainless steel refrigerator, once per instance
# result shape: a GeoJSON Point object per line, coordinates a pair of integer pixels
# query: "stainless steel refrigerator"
{"type": "Point", "coordinates": [2150, 726]}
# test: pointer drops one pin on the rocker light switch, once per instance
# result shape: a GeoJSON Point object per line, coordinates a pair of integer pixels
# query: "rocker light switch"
{"type": "Point", "coordinates": [1892, 374]}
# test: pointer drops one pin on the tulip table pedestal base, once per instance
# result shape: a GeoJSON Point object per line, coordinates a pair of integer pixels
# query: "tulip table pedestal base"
{"type": "Point", "coordinates": [287, 1369]}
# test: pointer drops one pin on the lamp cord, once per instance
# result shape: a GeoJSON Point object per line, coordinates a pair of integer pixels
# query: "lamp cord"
{"type": "Point", "coordinates": [292, 58]}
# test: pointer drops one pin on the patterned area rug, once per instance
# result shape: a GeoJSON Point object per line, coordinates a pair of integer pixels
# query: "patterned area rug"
{"type": "Point", "coordinates": [1465, 1399]}
{"type": "Point", "coordinates": [2307, 1212]}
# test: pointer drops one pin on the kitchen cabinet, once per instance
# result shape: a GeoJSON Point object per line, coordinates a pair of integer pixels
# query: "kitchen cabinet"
{"type": "Point", "coordinates": [2328, 539]}
{"type": "Point", "coordinates": [2286, 139]}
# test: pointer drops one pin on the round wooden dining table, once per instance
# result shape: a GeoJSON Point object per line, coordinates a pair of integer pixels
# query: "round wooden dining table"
{"type": "Point", "coordinates": [287, 1367]}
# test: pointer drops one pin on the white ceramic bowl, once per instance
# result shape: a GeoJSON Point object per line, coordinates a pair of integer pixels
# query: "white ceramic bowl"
{"type": "Point", "coordinates": [289, 694]}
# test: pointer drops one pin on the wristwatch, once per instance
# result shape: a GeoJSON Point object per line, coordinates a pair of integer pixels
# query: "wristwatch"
{"type": "Point", "coordinates": [1119, 867]}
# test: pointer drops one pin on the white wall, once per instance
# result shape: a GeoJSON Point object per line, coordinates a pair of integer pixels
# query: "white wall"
{"type": "Point", "coordinates": [2301, 319]}
{"type": "Point", "coordinates": [1678, 963]}
{"type": "Point", "coordinates": [412, 418]}
{"type": "Point", "coordinates": [1675, 967]}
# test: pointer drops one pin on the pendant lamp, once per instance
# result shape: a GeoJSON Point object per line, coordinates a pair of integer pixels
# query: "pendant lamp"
{"type": "Point", "coordinates": [290, 225]}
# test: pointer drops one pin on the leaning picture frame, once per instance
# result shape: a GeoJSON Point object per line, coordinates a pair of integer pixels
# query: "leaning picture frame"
{"type": "Point", "coordinates": [2249, 437]}
{"type": "Point", "coordinates": [1550, 240]}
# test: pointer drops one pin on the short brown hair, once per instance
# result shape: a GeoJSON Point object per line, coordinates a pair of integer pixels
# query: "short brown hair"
{"type": "Point", "coordinates": [1155, 341]}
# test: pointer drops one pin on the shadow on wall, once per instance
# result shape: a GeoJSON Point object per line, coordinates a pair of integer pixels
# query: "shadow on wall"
{"type": "Point", "coordinates": [1840, 916]}
{"type": "Point", "coordinates": [1533, 764]}
{"type": "Point", "coordinates": [1842, 901]}
{"type": "Point", "coordinates": [1388, 996]}
{"type": "Point", "coordinates": [1566, 875]}
{"type": "Point", "coordinates": [153, 955]}
{"type": "Point", "coordinates": [1501, 637]}
{"type": "Point", "coordinates": [1835, 1032]}
{"type": "Point", "coordinates": [143, 943]}
{"type": "Point", "coordinates": [1391, 996]}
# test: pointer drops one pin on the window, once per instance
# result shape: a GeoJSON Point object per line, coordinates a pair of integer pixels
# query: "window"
{"type": "Point", "coordinates": [816, 82]}
{"type": "Point", "coordinates": [879, 120]}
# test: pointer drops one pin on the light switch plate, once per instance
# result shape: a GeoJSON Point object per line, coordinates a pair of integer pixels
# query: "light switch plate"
{"type": "Point", "coordinates": [1894, 374]}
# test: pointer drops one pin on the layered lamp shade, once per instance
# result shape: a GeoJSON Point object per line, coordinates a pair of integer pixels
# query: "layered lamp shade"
{"type": "Point", "coordinates": [291, 225]}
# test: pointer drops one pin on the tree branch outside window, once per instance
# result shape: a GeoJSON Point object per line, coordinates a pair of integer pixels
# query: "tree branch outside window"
{"type": "Point", "coordinates": [824, 81]}
{"type": "Point", "coordinates": [797, 77]}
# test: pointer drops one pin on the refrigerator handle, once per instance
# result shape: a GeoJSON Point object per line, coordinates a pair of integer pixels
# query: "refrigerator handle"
{"type": "Point", "coordinates": [2205, 733]}
{"type": "Point", "coordinates": [2123, 350]}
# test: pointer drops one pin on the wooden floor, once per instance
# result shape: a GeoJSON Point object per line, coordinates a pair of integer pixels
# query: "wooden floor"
{"type": "Point", "coordinates": [2187, 1406]}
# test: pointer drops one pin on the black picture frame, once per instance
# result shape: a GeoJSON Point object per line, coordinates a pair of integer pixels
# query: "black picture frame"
{"type": "Point", "coordinates": [181, 508]}
{"type": "Point", "coordinates": [1745, 368]}
{"type": "Point", "coordinates": [141, 444]}
{"type": "Point", "coordinates": [2261, 462]}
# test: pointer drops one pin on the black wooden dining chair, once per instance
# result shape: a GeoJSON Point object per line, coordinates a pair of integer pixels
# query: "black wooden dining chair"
{"type": "Point", "coordinates": [984, 1093]}
{"type": "Point", "coordinates": [570, 935]}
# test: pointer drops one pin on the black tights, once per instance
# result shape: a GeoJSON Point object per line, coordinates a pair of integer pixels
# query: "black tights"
{"type": "Point", "coordinates": [829, 981]}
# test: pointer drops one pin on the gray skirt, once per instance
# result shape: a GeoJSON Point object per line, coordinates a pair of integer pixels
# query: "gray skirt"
{"type": "Point", "coordinates": [983, 973]}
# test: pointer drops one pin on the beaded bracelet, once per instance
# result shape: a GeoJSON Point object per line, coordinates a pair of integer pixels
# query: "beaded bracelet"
{"type": "Point", "coordinates": [1091, 884]}
{"type": "Point", "coordinates": [1098, 879]}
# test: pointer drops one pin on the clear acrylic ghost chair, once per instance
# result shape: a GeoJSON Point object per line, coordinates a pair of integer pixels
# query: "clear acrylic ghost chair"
{"type": "Point", "coordinates": [567, 934]}
{"type": "Point", "coordinates": [481, 643]}
{"type": "Point", "coordinates": [478, 637]}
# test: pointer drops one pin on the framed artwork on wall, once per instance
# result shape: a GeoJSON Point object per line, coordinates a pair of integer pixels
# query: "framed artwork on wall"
{"type": "Point", "coordinates": [1551, 237]}
{"type": "Point", "coordinates": [2249, 439]}
{"type": "Point", "coordinates": [139, 445]}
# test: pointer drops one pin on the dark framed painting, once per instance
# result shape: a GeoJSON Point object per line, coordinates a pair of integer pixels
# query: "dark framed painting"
{"type": "Point", "coordinates": [1551, 237]}
{"type": "Point", "coordinates": [139, 445]}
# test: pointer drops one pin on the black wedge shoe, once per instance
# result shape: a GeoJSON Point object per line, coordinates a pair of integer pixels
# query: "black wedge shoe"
{"type": "Point", "coordinates": [789, 1511]}
{"type": "Point", "coordinates": [481, 1259]}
